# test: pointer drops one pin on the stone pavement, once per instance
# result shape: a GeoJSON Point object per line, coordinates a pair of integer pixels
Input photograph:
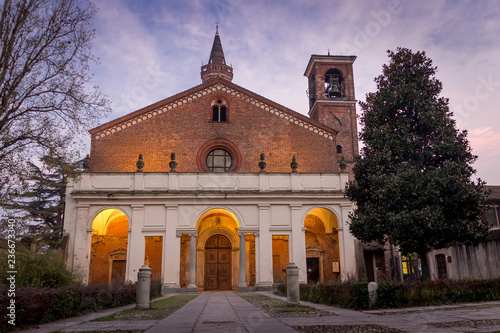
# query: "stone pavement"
{"type": "Point", "coordinates": [227, 312]}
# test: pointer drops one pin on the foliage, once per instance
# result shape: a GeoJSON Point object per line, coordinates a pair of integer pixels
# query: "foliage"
{"type": "Point", "coordinates": [45, 96]}
{"type": "Point", "coordinates": [397, 295]}
{"type": "Point", "coordinates": [412, 182]}
{"type": "Point", "coordinates": [354, 295]}
{"type": "Point", "coordinates": [36, 306]}
{"type": "Point", "coordinates": [38, 270]}
{"type": "Point", "coordinates": [39, 211]}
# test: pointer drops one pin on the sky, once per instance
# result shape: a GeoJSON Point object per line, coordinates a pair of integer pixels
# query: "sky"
{"type": "Point", "coordinates": [151, 50]}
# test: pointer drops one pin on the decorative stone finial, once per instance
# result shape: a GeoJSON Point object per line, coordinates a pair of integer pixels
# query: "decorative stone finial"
{"type": "Point", "coordinates": [139, 164]}
{"type": "Point", "coordinates": [342, 164]}
{"type": "Point", "coordinates": [262, 164]}
{"type": "Point", "coordinates": [173, 163]}
{"type": "Point", "coordinates": [294, 165]}
{"type": "Point", "coordinates": [86, 163]}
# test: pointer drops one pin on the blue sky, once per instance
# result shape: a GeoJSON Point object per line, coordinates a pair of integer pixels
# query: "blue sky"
{"type": "Point", "coordinates": [150, 50]}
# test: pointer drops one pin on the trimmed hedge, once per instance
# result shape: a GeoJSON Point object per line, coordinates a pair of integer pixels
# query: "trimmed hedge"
{"type": "Point", "coordinates": [397, 295]}
{"type": "Point", "coordinates": [41, 305]}
{"type": "Point", "coordinates": [354, 295]}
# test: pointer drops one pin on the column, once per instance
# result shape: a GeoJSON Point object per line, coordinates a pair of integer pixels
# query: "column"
{"type": "Point", "coordinates": [81, 242]}
{"type": "Point", "coordinates": [298, 242]}
{"type": "Point", "coordinates": [347, 248]}
{"type": "Point", "coordinates": [265, 281]}
{"type": "Point", "coordinates": [192, 261]}
{"type": "Point", "coordinates": [243, 262]}
{"type": "Point", "coordinates": [171, 250]}
{"type": "Point", "coordinates": [136, 243]}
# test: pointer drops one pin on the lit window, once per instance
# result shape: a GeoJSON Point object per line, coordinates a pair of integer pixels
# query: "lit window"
{"type": "Point", "coordinates": [219, 160]}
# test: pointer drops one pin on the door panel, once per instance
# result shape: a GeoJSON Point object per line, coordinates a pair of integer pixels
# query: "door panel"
{"type": "Point", "coordinates": [218, 263]}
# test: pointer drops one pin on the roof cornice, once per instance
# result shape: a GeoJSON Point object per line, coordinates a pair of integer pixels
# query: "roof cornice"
{"type": "Point", "coordinates": [219, 85]}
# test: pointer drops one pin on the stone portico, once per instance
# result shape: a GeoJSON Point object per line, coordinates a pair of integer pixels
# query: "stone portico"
{"type": "Point", "coordinates": [210, 231]}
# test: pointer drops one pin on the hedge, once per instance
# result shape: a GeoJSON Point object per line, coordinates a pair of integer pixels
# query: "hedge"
{"type": "Point", "coordinates": [35, 306]}
{"type": "Point", "coordinates": [354, 295]}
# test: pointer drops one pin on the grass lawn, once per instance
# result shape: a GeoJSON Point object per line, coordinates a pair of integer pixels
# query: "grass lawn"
{"type": "Point", "coordinates": [159, 309]}
{"type": "Point", "coordinates": [280, 309]}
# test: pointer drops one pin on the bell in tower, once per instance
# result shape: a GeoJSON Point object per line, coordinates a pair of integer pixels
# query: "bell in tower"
{"type": "Point", "coordinates": [333, 84]}
{"type": "Point", "coordinates": [332, 102]}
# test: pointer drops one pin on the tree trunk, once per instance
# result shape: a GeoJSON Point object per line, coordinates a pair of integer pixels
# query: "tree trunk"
{"type": "Point", "coordinates": [425, 266]}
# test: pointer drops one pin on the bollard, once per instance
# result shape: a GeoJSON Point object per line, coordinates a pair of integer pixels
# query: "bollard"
{"type": "Point", "coordinates": [143, 287]}
{"type": "Point", "coordinates": [292, 284]}
{"type": "Point", "coordinates": [372, 293]}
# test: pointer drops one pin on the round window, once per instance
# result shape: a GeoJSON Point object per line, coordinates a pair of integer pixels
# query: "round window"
{"type": "Point", "coordinates": [219, 160]}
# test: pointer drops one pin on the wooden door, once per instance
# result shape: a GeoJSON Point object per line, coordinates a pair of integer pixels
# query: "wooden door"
{"type": "Point", "coordinates": [218, 263]}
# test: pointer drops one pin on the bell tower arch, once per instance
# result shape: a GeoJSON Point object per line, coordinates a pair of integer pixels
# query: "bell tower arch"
{"type": "Point", "coordinates": [332, 101]}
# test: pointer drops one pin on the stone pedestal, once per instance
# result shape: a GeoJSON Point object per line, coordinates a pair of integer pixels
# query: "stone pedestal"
{"type": "Point", "coordinates": [372, 292]}
{"type": "Point", "coordinates": [143, 287]}
{"type": "Point", "coordinates": [292, 284]}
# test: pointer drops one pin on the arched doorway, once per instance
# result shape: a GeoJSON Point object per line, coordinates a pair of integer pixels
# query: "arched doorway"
{"type": "Point", "coordinates": [108, 253]}
{"type": "Point", "coordinates": [218, 263]}
{"type": "Point", "coordinates": [322, 246]}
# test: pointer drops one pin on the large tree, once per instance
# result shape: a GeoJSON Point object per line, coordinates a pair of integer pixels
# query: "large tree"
{"type": "Point", "coordinates": [412, 181]}
{"type": "Point", "coordinates": [45, 96]}
{"type": "Point", "coordinates": [39, 210]}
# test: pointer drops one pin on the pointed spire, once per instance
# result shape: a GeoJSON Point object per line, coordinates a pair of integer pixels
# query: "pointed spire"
{"type": "Point", "coordinates": [216, 66]}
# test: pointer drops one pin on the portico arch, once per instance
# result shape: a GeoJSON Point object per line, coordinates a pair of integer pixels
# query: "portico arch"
{"type": "Point", "coordinates": [108, 248]}
{"type": "Point", "coordinates": [322, 246]}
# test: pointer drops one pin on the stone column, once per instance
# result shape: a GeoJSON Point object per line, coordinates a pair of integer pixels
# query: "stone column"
{"type": "Point", "coordinates": [81, 242]}
{"type": "Point", "coordinates": [143, 287]}
{"type": "Point", "coordinates": [136, 243]}
{"type": "Point", "coordinates": [192, 262]}
{"type": "Point", "coordinates": [243, 262]}
{"type": "Point", "coordinates": [298, 242]}
{"type": "Point", "coordinates": [347, 249]}
{"type": "Point", "coordinates": [265, 249]}
{"type": "Point", "coordinates": [171, 245]}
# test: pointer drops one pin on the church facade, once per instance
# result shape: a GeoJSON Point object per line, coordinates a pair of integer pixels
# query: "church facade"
{"type": "Point", "coordinates": [219, 188]}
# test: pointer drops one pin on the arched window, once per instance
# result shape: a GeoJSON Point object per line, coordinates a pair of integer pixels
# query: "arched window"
{"type": "Point", "coordinates": [219, 160]}
{"type": "Point", "coordinates": [334, 84]}
{"type": "Point", "coordinates": [339, 149]}
{"type": "Point", "coordinates": [219, 110]}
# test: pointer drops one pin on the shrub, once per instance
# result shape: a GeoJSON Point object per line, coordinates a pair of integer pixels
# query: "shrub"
{"type": "Point", "coordinates": [41, 270]}
{"type": "Point", "coordinates": [354, 295]}
{"type": "Point", "coordinates": [41, 305]}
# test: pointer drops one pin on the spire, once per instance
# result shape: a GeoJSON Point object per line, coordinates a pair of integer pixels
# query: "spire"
{"type": "Point", "coordinates": [216, 67]}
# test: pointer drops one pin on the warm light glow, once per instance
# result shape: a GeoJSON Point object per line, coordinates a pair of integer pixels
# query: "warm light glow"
{"type": "Point", "coordinates": [327, 217]}
{"type": "Point", "coordinates": [104, 219]}
{"type": "Point", "coordinates": [217, 212]}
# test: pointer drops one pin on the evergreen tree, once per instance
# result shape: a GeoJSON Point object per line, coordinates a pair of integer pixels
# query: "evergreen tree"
{"type": "Point", "coordinates": [41, 206]}
{"type": "Point", "coordinates": [412, 181]}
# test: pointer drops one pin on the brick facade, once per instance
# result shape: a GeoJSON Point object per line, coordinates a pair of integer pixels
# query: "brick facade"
{"type": "Point", "coordinates": [160, 129]}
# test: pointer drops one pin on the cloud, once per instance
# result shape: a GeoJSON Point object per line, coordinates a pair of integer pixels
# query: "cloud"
{"type": "Point", "coordinates": [151, 50]}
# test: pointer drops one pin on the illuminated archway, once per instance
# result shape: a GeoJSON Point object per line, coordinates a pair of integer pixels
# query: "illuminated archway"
{"type": "Point", "coordinates": [322, 246]}
{"type": "Point", "coordinates": [217, 221]}
{"type": "Point", "coordinates": [108, 254]}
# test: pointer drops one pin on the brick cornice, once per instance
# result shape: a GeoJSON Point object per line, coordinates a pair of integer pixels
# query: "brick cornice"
{"type": "Point", "coordinates": [199, 91]}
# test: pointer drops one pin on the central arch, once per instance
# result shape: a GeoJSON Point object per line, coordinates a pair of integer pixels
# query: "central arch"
{"type": "Point", "coordinates": [218, 263]}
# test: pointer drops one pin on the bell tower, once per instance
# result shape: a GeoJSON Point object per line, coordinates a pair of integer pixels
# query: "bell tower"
{"type": "Point", "coordinates": [332, 102]}
{"type": "Point", "coordinates": [216, 67]}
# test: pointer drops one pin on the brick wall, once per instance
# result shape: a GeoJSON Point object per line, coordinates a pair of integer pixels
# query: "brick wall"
{"type": "Point", "coordinates": [187, 127]}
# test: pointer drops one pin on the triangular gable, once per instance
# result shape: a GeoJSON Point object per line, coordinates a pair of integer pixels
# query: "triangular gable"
{"type": "Point", "coordinates": [202, 90]}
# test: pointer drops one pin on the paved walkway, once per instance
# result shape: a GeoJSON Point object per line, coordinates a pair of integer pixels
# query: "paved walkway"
{"type": "Point", "coordinates": [227, 312]}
